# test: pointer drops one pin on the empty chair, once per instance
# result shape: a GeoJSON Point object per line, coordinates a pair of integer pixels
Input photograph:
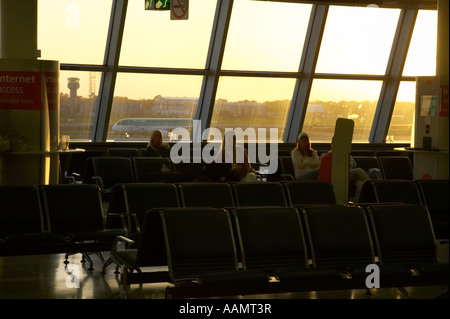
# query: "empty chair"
{"type": "Point", "coordinates": [123, 152]}
{"type": "Point", "coordinates": [137, 198]}
{"type": "Point", "coordinates": [367, 194]}
{"type": "Point", "coordinates": [400, 191]}
{"type": "Point", "coordinates": [259, 194]}
{"type": "Point", "coordinates": [23, 229]}
{"type": "Point", "coordinates": [309, 192]}
{"type": "Point", "coordinates": [435, 196]}
{"type": "Point", "coordinates": [109, 171]}
{"type": "Point", "coordinates": [137, 265]}
{"type": "Point", "coordinates": [201, 253]}
{"type": "Point", "coordinates": [287, 168]}
{"type": "Point", "coordinates": [76, 212]}
{"type": "Point", "coordinates": [209, 194]}
{"type": "Point", "coordinates": [150, 169]}
{"type": "Point", "coordinates": [406, 245]}
{"type": "Point", "coordinates": [396, 167]}
{"type": "Point", "coordinates": [133, 201]}
{"type": "Point", "coordinates": [75, 164]}
{"type": "Point", "coordinates": [271, 239]}
{"type": "Point", "coordinates": [340, 239]}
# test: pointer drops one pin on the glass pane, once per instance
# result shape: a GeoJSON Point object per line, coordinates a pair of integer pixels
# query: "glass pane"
{"type": "Point", "coordinates": [73, 32]}
{"type": "Point", "coordinates": [78, 99]}
{"type": "Point", "coordinates": [266, 36]}
{"type": "Point", "coordinates": [402, 121]}
{"type": "Point", "coordinates": [332, 99]}
{"type": "Point", "coordinates": [421, 58]}
{"type": "Point", "coordinates": [252, 103]}
{"type": "Point", "coordinates": [151, 39]}
{"type": "Point", "coordinates": [357, 40]}
{"type": "Point", "coordinates": [140, 96]}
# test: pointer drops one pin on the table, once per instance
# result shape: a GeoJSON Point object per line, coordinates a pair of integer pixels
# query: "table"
{"type": "Point", "coordinates": [429, 163]}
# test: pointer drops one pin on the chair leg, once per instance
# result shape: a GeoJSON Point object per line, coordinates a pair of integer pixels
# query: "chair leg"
{"type": "Point", "coordinates": [404, 292]}
{"type": "Point", "coordinates": [124, 286]}
{"type": "Point", "coordinates": [106, 264]}
{"type": "Point", "coordinates": [86, 257]}
{"type": "Point", "coordinates": [100, 256]}
{"type": "Point", "coordinates": [66, 258]}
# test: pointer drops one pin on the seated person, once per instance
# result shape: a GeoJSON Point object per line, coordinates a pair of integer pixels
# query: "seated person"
{"type": "Point", "coordinates": [357, 176]}
{"type": "Point", "coordinates": [236, 160]}
{"type": "Point", "coordinates": [305, 159]}
{"type": "Point", "coordinates": [156, 146]}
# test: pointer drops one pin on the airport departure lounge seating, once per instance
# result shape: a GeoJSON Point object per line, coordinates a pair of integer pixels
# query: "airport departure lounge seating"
{"type": "Point", "coordinates": [142, 259]}
{"type": "Point", "coordinates": [435, 196]}
{"type": "Point", "coordinates": [406, 245]}
{"type": "Point", "coordinates": [23, 228]}
{"type": "Point", "coordinates": [75, 211]}
{"type": "Point", "coordinates": [201, 252]}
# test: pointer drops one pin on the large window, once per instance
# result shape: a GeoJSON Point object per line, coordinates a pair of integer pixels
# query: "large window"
{"type": "Point", "coordinates": [162, 67]}
{"type": "Point", "coordinates": [332, 99]}
{"type": "Point", "coordinates": [357, 40]}
{"type": "Point", "coordinates": [421, 58]}
{"type": "Point", "coordinates": [73, 31]}
{"type": "Point", "coordinates": [78, 100]}
{"type": "Point", "coordinates": [151, 39]}
{"type": "Point", "coordinates": [152, 96]}
{"type": "Point", "coordinates": [402, 119]}
{"type": "Point", "coordinates": [265, 36]}
{"type": "Point", "coordinates": [247, 102]}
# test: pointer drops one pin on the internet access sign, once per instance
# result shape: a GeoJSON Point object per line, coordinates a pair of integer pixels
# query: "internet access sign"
{"type": "Point", "coordinates": [179, 9]}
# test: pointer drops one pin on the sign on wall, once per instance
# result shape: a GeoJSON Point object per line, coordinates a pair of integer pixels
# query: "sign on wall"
{"type": "Point", "coordinates": [179, 10]}
{"type": "Point", "coordinates": [20, 90]}
{"type": "Point", "coordinates": [157, 4]}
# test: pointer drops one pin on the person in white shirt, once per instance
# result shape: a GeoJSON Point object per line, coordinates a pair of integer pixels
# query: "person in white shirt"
{"type": "Point", "coordinates": [305, 159]}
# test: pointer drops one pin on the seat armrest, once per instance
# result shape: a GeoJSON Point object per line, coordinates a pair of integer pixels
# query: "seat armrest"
{"type": "Point", "coordinates": [126, 225]}
{"type": "Point", "coordinates": [99, 181]}
{"type": "Point", "coordinates": [117, 241]}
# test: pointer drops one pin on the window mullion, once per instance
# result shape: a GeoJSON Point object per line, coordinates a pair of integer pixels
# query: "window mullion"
{"type": "Point", "coordinates": [394, 70]}
{"type": "Point", "coordinates": [297, 111]}
{"type": "Point", "coordinates": [108, 79]}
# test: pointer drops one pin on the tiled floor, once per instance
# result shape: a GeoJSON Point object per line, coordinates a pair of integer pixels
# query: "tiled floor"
{"type": "Point", "coordinates": [47, 277]}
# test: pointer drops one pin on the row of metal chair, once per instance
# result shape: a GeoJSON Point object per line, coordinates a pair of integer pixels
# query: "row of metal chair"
{"type": "Point", "coordinates": [62, 218]}
{"type": "Point", "coordinates": [137, 198]}
{"type": "Point", "coordinates": [108, 171]}
{"type": "Point", "coordinates": [389, 166]}
{"type": "Point", "coordinates": [431, 193]}
{"type": "Point", "coordinates": [256, 250]}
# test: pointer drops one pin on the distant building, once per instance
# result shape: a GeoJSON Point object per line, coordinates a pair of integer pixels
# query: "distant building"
{"type": "Point", "coordinates": [174, 106]}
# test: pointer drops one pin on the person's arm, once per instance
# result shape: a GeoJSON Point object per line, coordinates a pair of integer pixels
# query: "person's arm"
{"type": "Point", "coordinates": [299, 161]}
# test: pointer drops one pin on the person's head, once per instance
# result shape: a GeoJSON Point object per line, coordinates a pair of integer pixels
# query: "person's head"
{"type": "Point", "coordinates": [303, 143]}
{"type": "Point", "coordinates": [156, 138]}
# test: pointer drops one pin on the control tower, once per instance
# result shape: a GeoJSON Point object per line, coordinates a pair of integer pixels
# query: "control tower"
{"type": "Point", "coordinates": [73, 84]}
